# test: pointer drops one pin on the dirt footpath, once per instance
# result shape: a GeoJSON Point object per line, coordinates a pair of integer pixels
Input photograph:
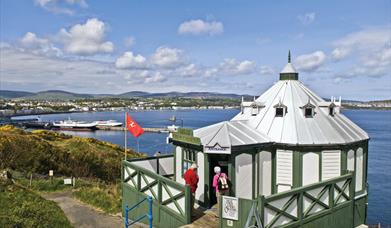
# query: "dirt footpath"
{"type": "Point", "coordinates": [82, 215]}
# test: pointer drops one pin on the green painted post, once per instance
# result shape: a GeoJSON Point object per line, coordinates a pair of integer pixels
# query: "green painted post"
{"type": "Point", "coordinates": [296, 169]}
{"type": "Point", "coordinates": [352, 194]}
{"type": "Point", "coordinates": [253, 174]}
{"type": "Point", "coordinates": [331, 196]}
{"type": "Point", "coordinates": [206, 176]}
{"type": "Point", "coordinates": [274, 172]}
{"type": "Point", "coordinates": [188, 208]}
{"type": "Point", "coordinates": [174, 152]}
{"type": "Point", "coordinates": [344, 161]}
{"type": "Point", "coordinates": [231, 167]}
{"type": "Point", "coordinates": [300, 208]}
{"type": "Point", "coordinates": [261, 208]}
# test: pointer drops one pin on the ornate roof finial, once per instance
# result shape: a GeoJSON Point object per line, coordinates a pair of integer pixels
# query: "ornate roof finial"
{"type": "Point", "coordinates": [289, 56]}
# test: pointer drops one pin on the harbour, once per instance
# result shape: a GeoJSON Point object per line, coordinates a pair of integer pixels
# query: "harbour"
{"type": "Point", "coordinates": [376, 122]}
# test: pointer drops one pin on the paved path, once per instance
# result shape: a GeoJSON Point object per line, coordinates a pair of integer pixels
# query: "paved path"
{"type": "Point", "coordinates": [82, 215]}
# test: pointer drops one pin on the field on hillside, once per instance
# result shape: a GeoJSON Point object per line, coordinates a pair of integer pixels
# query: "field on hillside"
{"type": "Point", "coordinates": [40, 151]}
{"type": "Point", "coordinates": [24, 208]}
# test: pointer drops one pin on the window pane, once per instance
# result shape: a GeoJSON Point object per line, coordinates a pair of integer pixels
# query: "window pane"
{"type": "Point", "coordinates": [279, 112]}
{"type": "Point", "coordinates": [308, 112]}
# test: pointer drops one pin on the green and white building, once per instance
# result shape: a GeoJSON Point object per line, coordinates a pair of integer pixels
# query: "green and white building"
{"type": "Point", "coordinates": [293, 160]}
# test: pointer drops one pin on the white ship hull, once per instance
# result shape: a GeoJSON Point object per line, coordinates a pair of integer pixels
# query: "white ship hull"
{"type": "Point", "coordinates": [74, 125]}
{"type": "Point", "coordinates": [108, 123]}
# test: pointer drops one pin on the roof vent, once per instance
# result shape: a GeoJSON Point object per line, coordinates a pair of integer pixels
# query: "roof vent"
{"type": "Point", "coordinates": [309, 109]}
{"type": "Point", "coordinates": [253, 106]}
{"type": "Point", "coordinates": [281, 109]}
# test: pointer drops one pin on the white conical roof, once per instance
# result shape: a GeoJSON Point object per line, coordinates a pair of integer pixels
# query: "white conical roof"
{"type": "Point", "coordinates": [294, 127]}
{"type": "Point", "coordinates": [230, 133]}
{"type": "Point", "coordinates": [260, 123]}
{"type": "Point", "coordinates": [289, 68]}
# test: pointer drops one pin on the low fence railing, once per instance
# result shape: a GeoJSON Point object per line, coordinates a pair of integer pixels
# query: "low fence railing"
{"type": "Point", "coordinates": [162, 164]}
{"type": "Point", "coordinates": [147, 215]}
{"type": "Point", "coordinates": [171, 200]}
{"type": "Point", "coordinates": [306, 203]}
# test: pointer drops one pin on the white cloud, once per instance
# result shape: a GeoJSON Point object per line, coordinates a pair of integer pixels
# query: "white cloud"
{"type": "Point", "coordinates": [167, 57]}
{"type": "Point", "coordinates": [266, 70]}
{"type": "Point", "coordinates": [155, 78]}
{"type": "Point", "coordinates": [60, 6]}
{"type": "Point", "coordinates": [374, 65]}
{"type": "Point", "coordinates": [81, 3]}
{"type": "Point", "coordinates": [340, 53]}
{"type": "Point", "coordinates": [232, 67]}
{"type": "Point", "coordinates": [199, 27]}
{"type": "Point", "coordinates": [307, 18]}
{"type": "Point", "coordinates": [129, 60]}
{"type": "Point", "coordinates": [189, 70]}
{"type": "Point", "coordinates": [22, 70]}
{"type": "Point", "coordinates": [144, 77]}
{"type": "Point", "coordinates": [310, 62]}
{"type": "Point", "coordinates": [368, 49]}
{"type": "Point", "coordinates": [86, 39]}
{"type": "Point", "coordinates": [129, 41]}
{"type": "Point", "coordinates": [367, 40]}
{"type": "Point", "coordinates": [31, 42]}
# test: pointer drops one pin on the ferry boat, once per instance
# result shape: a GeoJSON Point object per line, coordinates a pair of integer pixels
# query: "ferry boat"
{"type": "Point", "coordinates": [108, 123]}
{"type": "Point", "coordinates": [74, 125]}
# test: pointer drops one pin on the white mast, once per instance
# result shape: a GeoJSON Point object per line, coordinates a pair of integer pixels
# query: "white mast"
{"type": "Point", "coordinates": [126, 138]}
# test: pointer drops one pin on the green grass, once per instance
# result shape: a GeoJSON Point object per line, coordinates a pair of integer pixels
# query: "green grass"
{"type": "Point", "coordinates": [45, 185]}
{"type": "Point", "coordinates": [104, 196]}
{"type": "Point", "coordinates": [24, 208]}
{"type": "Point", "coordinates": [40, 151]}
{"type": "Point", "coordinates": [107, 198]}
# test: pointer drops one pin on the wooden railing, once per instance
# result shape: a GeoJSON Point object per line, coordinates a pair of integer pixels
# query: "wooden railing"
{"type": "Point", "coordinates": [162, 164]}
{"type": "Point", "coordinates": [301, 205]}
{"type": "Point", "coordinates": [328, 203]}
{"type": "Point", "coordinates": [171, 200]}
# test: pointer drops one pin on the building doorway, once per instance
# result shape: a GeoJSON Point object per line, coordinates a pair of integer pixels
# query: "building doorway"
{"type": "Point", "coordinates": [216, 160]}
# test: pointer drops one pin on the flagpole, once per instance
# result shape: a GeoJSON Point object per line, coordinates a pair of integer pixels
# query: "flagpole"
{"type": "Point", "coordinates": [138, 145]}
{"type": "Point", "coordinates": [126, 139]}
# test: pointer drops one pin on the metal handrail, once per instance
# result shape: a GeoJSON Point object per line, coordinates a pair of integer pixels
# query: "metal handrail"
{"type": "Point", "coordinates": [149, 214]}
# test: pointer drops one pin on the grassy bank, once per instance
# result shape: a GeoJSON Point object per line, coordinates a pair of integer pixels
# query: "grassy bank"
{"type": "Point", "coordinates": [95, 164]}
{"type": "Point", "coordinates": [40, 151]}
{"type": "Point", "coordinates": [24, 208]}
{"type": "Point", "coordinates": [99, 194]}
{"type": "Point", "coordinates": [105, 197]}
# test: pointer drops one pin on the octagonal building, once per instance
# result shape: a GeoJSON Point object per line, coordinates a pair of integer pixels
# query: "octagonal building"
{"type": "Point", "coordinates": [292, 159]}
{"type": "Point", "coordinates": [286, 139]}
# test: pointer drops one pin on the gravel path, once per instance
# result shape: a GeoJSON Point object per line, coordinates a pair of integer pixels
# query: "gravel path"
{"type": "Point", "coordinates": [82, 215]}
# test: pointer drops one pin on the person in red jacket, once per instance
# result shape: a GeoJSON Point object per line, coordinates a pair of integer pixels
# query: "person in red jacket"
{"type": "Point", "coordinates": [191, 179]}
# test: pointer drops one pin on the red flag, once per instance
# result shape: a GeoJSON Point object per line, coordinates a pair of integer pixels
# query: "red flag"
{"type": "Point", "coordinates": [133, 127]}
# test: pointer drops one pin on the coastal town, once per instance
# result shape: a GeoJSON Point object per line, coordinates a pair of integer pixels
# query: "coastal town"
{"type": "Point", "coordinates": [34, 107]}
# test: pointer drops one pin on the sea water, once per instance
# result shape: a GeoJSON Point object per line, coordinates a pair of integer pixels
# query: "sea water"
{"type": "Point", "coordinates": [376, 123]}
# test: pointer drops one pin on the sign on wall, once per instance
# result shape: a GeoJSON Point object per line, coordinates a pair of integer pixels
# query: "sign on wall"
{"type": "Point", "coordinates": [230, 207]}
{"type": "Point", "coordinates": [217, 149]}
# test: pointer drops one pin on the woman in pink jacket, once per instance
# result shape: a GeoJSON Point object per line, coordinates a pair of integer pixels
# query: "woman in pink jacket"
{"type": "Point", "coordinates": [220, 183]}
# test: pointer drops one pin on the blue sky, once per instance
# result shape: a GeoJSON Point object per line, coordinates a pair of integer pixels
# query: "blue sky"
{"type": "Point", "coordinates": [340, 48]}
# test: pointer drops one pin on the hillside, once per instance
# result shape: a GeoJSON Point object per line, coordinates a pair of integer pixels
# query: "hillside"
{"type": "Point", "coordinates": [40, 151]}
{"type": "Point", "coordinates": [25, 208]}
{"type": "Point", "coordinates": [9, 94]}
{"type": "Point", "coordinates": [56, 95]}
{"type": "Point", "coordinates": [64, 95]}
